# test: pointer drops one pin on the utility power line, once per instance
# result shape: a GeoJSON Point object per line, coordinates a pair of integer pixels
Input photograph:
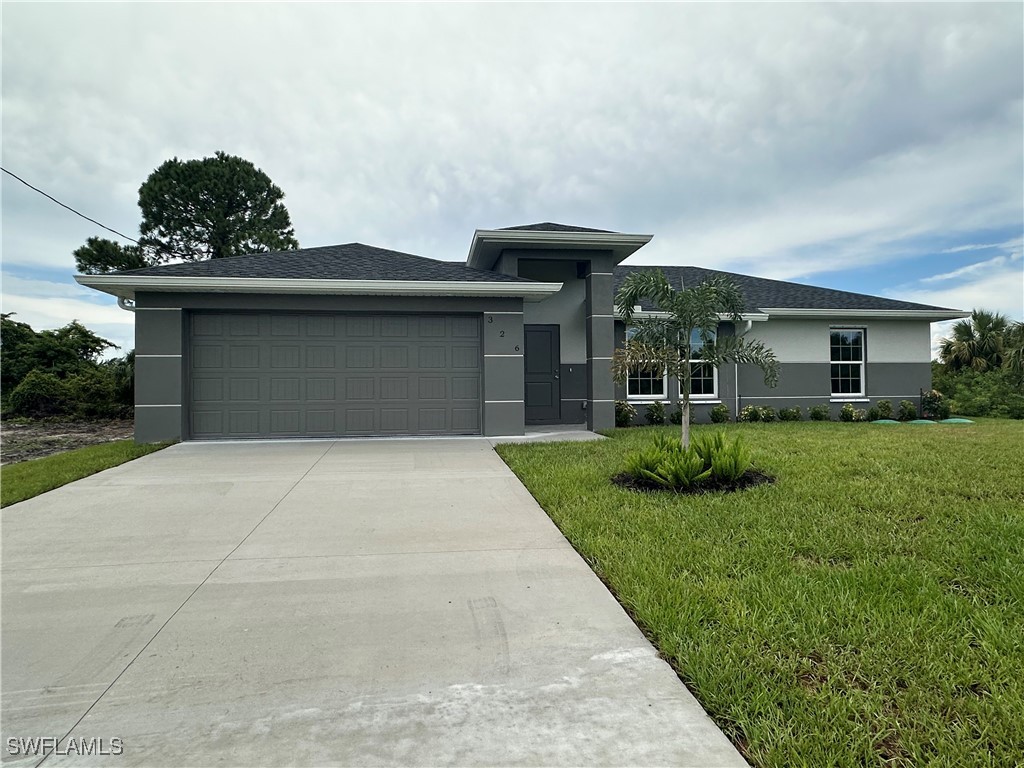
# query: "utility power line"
{"type": "Point", "coordinates": [64, 205]}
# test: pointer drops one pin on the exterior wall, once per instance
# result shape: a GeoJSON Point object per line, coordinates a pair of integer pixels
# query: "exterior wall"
{"type": "Point", "coordinates": [898, 367]}
{"type": "Point", "coordinates": [583, 312]}
{"type": "Point", "coordinates": [161, 369]}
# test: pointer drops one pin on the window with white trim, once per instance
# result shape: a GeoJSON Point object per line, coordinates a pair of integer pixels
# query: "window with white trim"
{"type": "Point", "coordinates": [846, 355]}
{"type": "Point", "coordinates": [703, 376]}
{"type": "Point", "coordinates": [647, 384]}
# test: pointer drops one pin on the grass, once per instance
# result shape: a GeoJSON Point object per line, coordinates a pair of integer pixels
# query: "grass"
{"type": "Point", "coordinates": [30, 478]}
{"type": "Point", "coordinates": [867, 609]}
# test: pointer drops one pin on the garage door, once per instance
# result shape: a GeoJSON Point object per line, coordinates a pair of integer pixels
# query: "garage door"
{"type": "Point", "coordinates": [319, 375]}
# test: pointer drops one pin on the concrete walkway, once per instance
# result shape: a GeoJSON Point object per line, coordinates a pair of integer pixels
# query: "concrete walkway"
{"type": "Point", "coordinates": [400, 602]}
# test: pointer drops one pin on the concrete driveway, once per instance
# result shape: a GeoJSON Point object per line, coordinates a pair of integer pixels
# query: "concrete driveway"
{"type": "Point", "coordinates": [312, 603]}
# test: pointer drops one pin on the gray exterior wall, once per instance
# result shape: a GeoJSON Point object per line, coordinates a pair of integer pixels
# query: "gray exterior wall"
{"type": "Point", "coordinates": [583, 312]}
{"type": "Point", "coordinates": [803, 384]}
{"type": "Point", "coordinates": [161, 326]}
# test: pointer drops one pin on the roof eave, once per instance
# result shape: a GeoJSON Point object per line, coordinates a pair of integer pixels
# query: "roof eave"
{"type": "Point", "coordinates": [126, 286]}
{"type": "Point", "coordinates": [930, 314]}
{"type": "Point", "coordinates": [487, 244]}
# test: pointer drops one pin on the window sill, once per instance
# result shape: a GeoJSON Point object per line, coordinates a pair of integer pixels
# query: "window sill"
{"type": "Point", "coordinates": [644, 400]}
{"type": "Point", "coordinates": [699, 400]}
{"type": "Point", "coordinates": [850, 400]}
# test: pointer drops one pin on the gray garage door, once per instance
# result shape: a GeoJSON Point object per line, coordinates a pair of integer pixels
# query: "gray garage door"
{"type": "Point", "coordinates": [320, 375]}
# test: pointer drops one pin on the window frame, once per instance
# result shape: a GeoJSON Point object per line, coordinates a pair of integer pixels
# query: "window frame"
{"type": "Point", "coordinates": [663, 397]}
{"type": "Point", "coordinates": [862, 363]}
{"type": "Point", "coordinates": [713, 395]}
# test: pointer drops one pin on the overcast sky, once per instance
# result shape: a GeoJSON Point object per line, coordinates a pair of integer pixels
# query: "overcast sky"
{"type": "Point", "coordinates": [877, 148]}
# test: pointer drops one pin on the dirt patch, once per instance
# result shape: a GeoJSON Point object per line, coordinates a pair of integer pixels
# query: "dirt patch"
{"type": "Point", "coordinates": [21, 441]}
{"type": "Point", "coordinates": [750, 479]}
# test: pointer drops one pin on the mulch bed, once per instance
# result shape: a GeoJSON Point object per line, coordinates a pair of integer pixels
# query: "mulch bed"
{"type": "Point", "coordinates": [750, 479]}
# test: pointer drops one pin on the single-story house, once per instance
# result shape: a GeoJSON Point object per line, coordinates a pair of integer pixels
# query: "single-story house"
{"type": "Point", "coordinates": [352, 340]}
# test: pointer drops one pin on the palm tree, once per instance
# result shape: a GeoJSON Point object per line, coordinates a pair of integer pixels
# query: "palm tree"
{"type": "Point", "coordinates": [684, 327]}
{"type": "Point", "coordinates": [1013, 350]}
{"type": "Point", "coordinates": [976, 343]}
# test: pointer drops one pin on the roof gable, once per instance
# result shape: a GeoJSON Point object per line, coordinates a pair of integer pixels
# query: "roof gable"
{"type": "Point", "coordinates": [550, 226]}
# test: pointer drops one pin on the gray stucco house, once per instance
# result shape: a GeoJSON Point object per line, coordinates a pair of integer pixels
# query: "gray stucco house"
{"type": "Point", "coordinates": [352, 340]}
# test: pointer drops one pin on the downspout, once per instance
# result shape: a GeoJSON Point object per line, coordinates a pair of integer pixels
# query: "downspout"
{"type": "Point", "coordinates": [126, 304]}
{"type": "Point", "coordinates": [736, 372]}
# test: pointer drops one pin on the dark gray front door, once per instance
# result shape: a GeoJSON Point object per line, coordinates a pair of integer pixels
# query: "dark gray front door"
{"type": "Point", "coordinates": [543, 393]}
{"type": "Point", "coordinates": [278, 374]}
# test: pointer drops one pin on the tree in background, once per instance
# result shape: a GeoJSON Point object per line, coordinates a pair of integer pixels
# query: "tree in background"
{"type": "Point", "coordinates": [981, 368]}
{"type": "Point", "coordinates": [99, 256]}
{"type": "Point", "coordinates": [198, 209]}
{"type": "Point", "coordinates": [976, 343]}
{"type": "Point", "coordinates": [211, 208]}
{"type": "Point", "coordinates": [685, 330]}
{"type": "Point", "coordinates": [59, 372]}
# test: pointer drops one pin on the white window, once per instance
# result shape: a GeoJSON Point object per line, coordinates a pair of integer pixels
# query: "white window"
{"type": "Point", "coordinates": [703, 376]}
{"type": "Point", "coordinates": [648, 384]}
{"type": "Point", "coordinates": [847, 358]}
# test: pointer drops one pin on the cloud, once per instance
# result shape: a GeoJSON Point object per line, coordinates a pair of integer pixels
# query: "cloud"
{"type": "Point", "coordinates": [785, 140]}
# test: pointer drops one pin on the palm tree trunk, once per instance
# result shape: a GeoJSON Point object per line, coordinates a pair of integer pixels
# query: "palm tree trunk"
{"type": "Point", "coordinates": [684, 423]}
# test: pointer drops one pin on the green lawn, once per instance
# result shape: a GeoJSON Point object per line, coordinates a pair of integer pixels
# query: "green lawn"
{"type": "Point", "coordinates": [867, 609]}
{"type": "Point", "coordinates": [30, 478]}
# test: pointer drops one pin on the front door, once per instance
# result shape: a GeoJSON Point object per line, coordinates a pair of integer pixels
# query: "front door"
{"type": "Point", "coordinates": [543, 393]}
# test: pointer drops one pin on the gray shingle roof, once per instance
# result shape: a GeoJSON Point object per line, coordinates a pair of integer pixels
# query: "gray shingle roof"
{"type": "Point", "coordinates": [352, 261]}
{"type": "Point", "coordinates": [760, 292]}
{"type": "Point", "coordinates": [549, 226]}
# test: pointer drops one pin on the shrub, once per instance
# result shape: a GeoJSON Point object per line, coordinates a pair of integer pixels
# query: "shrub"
{"type": "Point", "coordinates": [820, 413]}
{"type": "Point", "coordinates": [665, 462]}
{"type": "Point", "coordinates": [92, 394]}
{"type": "Point", "coordinates": [873, 413]}
{"type": "Point", "coordinates": [730, 462]}
{"type": "Point", "coordinates": [790, 414]}
{"type": "Point", "coordinates": [767, 413]}
{"type": "Point", "coordinates": [885, 409]}
{"type": "Point", "coordinates": [680, 470]}
{"type": "Point", "coordinates": [908, 411]}
{"type": "Point", "coordinates": [707, 445]}
{"type": "Point", "coordinates": [624, 414]}
{"type": "Point", "coordinates": [719, 414]}
{"type": "Point", "coordinates": [860, 415]}
{"type": "Point", "coordinates": [750, 413]}
{"type": "Point", "coordinates": [40, 394]}
{"type": "Point", "coordinates": [655, 413]}
{"type": "Point", "coordinates": [846, 413]}
{"type": "Point", "coordinates": [935, 406]}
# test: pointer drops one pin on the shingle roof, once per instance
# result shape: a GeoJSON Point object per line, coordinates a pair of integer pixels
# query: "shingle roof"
{"type": "Point", "coordinates": [549, 226]}
{"type": "Point", "coordinates": [760, 292]}
{"type": "Point", "coordinates": [351, 261]}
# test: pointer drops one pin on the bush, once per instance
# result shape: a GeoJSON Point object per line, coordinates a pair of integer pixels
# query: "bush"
{"type": "Point", "coordinates": [624, 414]}
{"type": "Point", "coordinates": [731, 462]}
{"type": "Point", "coordinates": [820, 413]}
{"type": "Point", "coordinates": [885, 409]}
{"type": "Point", "coordinates": [846, 412]}
{"type": "Point", "coordinates": [767, 413]}
{"type": "Point", "coordinates": [935, 406]}
{"type": "Point", "coordinates": [750, 413]}
{"type": "Point", "coordinates": [655, 413]}
{"type": "Point", "coordinates": [719, 414]}
{"type": "Point", "coordinates": [873, 413]}
{"type": "Point", "coordinates": [860, 415]}
{"type": "Point", "coordinates": [666, 463]}
{"type": "Point", "coordinates": [977, 393]}
{"type": "Point", "coordinates": [39, 395]}
{"type": "Point", "coordinates": [790, 414]}
{"type": "Point", "coordinates": [908, 411]}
